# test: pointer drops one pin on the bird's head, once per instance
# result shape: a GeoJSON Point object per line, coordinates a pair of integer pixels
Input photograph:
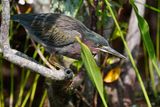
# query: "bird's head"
{"type": "Point", "coordinates": [102, 44]}
{"type": "Point", "coordinates": [96, 38]}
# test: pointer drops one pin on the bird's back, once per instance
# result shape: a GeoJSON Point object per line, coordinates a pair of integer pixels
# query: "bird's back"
{"type": "Point", "coordinates": [51, 29]}
{"type": "Point", "coordinates": [48, 20]}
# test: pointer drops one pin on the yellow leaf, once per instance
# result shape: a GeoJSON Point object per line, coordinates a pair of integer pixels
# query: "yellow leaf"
{"type": "Point", "coordinates": [112, 75]}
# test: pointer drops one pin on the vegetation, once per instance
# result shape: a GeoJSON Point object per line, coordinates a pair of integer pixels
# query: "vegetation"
{"type": "Point", "coordinates": [133, 81]}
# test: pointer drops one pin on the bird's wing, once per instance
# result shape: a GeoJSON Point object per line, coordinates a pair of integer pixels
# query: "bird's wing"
{"type": "Point", "coordinates": [60, 38]}
{"type": "Point", "coordinates": [47, 28]}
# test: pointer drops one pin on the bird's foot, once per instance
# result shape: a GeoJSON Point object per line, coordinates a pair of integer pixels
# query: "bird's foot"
{"type": "Point", "coordinates": [54, 61]}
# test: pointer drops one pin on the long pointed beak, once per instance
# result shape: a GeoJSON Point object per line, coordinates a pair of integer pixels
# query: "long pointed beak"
{"type": "Point", "coordinates": [108, 49]}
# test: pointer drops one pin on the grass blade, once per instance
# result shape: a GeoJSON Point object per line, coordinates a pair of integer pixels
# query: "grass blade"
{"type": "Point", "coordinates": [93, 70]}
{"type": "Point", "coordinates": [43, 98]}
{"type": "Point", "coordinates": [158, 33]}
{"type": "Point", "coordinates": [1, 84]}
{"type": "Point", "coordinates": [11, 86]}
{"type": "Point", "coordinates": [34, 87]}
{"type": "Point", "coordinates": [130, 56]}
{"type": "Point", "coordinates": [144, 29]}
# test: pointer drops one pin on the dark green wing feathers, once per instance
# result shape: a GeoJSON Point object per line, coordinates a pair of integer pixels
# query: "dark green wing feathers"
{"type": "Point", "coordinates": [48, 29]}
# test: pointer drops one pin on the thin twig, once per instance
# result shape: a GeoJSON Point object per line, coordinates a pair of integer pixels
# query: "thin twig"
{"type": "Point", "coordinates": [82, 98]}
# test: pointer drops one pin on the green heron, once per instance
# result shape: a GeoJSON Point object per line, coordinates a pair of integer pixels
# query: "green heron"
{"type": "Point", "coordinates": [57, 33]}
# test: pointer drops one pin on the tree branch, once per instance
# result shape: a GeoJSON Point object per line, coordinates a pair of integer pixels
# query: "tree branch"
{"type": "Point", "coordinates": [21, 59]}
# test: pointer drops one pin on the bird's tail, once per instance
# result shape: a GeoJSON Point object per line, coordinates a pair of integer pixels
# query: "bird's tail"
{"type": "Point", "coordinates": [14, 17]}
{"type": "Point", "coordinates": [24, 19]}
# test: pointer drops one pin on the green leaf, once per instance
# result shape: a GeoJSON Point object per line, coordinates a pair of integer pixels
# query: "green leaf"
{"type": "Point", "coordinates": [92, 70]}
{"type": "Point", "coordinates": [130, 56]}
{"type": "Point", "coordinates": [78, 64]}
{"type": "Point", "coordinates": [144, 29]}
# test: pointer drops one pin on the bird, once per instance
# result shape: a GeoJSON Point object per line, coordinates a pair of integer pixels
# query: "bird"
{"type": "Point", "coordinates": [58, 32]}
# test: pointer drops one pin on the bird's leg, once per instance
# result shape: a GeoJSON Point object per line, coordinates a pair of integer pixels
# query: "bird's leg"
{"type": "Point", "coordinates": [41, 55]}
{"type": "Point", "coordinates": [55, 61]}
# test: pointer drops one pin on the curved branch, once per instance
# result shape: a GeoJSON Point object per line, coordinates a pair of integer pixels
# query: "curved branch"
{"type": "Point", "coordinates": [19, 58]}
